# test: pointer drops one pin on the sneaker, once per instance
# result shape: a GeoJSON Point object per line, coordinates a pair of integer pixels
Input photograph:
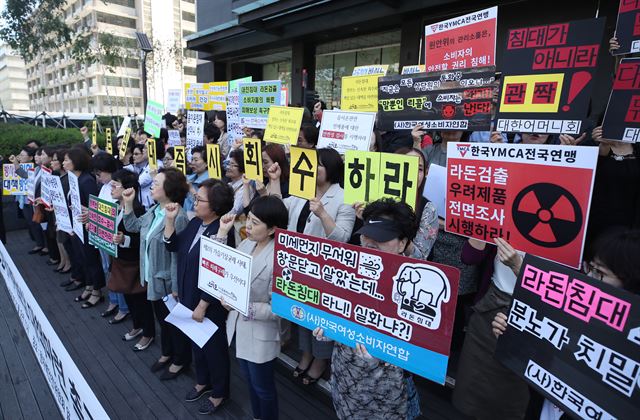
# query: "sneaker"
{"type": "Point", "coordinates": [195, 395]}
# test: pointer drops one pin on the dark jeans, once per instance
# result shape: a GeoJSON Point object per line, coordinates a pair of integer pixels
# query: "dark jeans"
{"type": "Point", "coordinates": [212, 364]}
{"type": "Point", "coordinates": [172, 341]}
{"type": "Point", "coordinates": [34, 228]}
{"type": "Point", "coordinates": [262, 388]}
{"type": "Point", "coordinates": [141, 313]}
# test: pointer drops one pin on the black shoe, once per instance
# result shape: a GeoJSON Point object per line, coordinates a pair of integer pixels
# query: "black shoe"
{"type": "Point", "coordinates": [88, 304]}
{"type": "Point", "coordinates": [207, 407]}
{"type": "Point", "coordinates": [42, 253]}
{"type": "Point", "coordinates": [53, 262]}
{"type": "Point", "coordinates": [34, 251]}
{"type": "Point", "coordinates": [167, 375]}
{"type": "Point", "coordinates": [159, 365]}
{"type": "Point", "coordinates": [68, 270]}
{"type": "Point", "coordinates": [109, 312]}
{"type": "Point", "coordinates": [195, 395]}
{"type": "Point", "coordinates": [114, 321]}
{"type": "Point", "coordinates": [66, 283]}
{"type": "Point", "coordinates": [74, 286]}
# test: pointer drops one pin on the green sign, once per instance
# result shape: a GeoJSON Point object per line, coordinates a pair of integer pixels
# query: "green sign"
{"type": "Point", "coordinates": [153, 118]}
{"type": "Point", "coordinates": [102, 225]}
{"type": "Point", "coordinates": [233, 84]}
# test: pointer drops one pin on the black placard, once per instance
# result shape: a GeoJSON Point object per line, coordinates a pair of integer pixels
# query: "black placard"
{"type": "Point", "coordinates": [622, 117]}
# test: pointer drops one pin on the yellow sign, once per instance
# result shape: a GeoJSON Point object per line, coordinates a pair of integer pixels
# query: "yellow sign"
{"type": "Point", "coordinates": [379, 69]}
{"type": "Point", "coordinates": [283, 124]}
{"type": "Point", "coordinates": [304, 169]}
{"type": "Point", "coordinates": [206, 96]}
{"type": "Point", "coordinates": [218, 95]}
{"type": "Point", "coordinates": [399, 177]}
{"type": "Point", "coordinates": [125, 143]}
{"type": "Point", "coordinates": [369, 176]}
{"type": "Point", "coordinates": [94, 134]}
{"type": "Point", "coordinates": [253, 159]}
{"type": "Point", "coordinates": [531, 93]}
{"type": "Point", "coordinates": [108, 146]}
{"type": "Point", "coordinates": [213, 161]}
{"type": "Point", "coordinates": [360, 93]}
{"type": "Point", "coordinates": [420, 68]}
{"type": "Point", "coordinates": [361, 176]}
{"type": "Point", "coordinates": [180, 159]}
{"type": "Point", "coordinates": [151, 154]}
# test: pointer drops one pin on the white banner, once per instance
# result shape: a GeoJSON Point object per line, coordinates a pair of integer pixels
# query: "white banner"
{"type": "Point", "coordinates": [174, 96]}
{"type": "Point", "coordinates": [125, 124]}
{"type": "Point", "coordinates": [233, 118]}
{"type": "Point", "coordinates": [225, 273]}
{"type": "Point", "coordinates": [195, 130]}
{"type": "Point", "coordinates": [70, 390]}
{"type": "Point", "coordinates": [76, 205]}
{"type": "Point", "coordinates": [343, 130]}
{"type": "Point", "coordinates": [174, 138]}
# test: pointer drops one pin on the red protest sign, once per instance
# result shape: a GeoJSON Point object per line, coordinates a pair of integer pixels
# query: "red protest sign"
{"type": "Point", "coordinates": [462, 42]}
{"type": "Point", "coordinates": [534, 196]}
{"type": "Point", "coordinates": [400, 308]}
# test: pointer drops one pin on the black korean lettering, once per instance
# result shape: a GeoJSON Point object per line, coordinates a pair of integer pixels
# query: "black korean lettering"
{"type": "Point", "coordinates": [400, 170]}
{"type": "Point", "coordinates": [356, 177]}
{"type": "Point", "coordinates": [297, 168]}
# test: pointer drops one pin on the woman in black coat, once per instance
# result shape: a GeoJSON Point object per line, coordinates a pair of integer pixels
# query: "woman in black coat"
{"type": "Point", "coordinates": [213, 200]}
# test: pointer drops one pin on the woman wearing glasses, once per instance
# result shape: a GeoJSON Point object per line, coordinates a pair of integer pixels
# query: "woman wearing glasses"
{"type": "Point", "coordinates": [158, 267]}
{"type": "Point", "coordinates": [213, 199]}
{"type": "Point", "coordinates": [140, 166]}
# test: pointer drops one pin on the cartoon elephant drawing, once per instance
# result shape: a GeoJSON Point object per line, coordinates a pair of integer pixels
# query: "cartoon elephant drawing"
{"type": "Point", "coordinates": [422, 289]}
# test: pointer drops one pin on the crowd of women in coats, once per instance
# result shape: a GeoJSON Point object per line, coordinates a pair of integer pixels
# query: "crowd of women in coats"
{"type": "Point", "coordinates": [162, 215]}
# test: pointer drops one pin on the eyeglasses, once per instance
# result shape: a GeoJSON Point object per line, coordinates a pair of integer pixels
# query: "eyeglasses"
{"type": "Point", "coordinates": [200, 200]}
{"type": "Point", "coordinates": [116, 185]}
{"type": "Point", "coordinates": [595, 272]}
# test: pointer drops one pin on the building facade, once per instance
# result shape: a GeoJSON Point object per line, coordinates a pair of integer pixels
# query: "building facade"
{"type": "Point", "coordinates": [14, 95]}
{"type": "Point", "coordinates": [311, 44]}
{"type": "Point", "coordinates": [58, 83]}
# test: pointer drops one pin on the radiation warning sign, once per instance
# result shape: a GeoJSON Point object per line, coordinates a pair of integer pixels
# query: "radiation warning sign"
{"type": "Point", "coordinates": [548, 75]}
{"type": "Point", "coordinates": [536, 197]}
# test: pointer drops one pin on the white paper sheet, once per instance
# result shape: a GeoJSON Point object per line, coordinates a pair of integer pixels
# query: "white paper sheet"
{"type": "Point", "coordinates": [435, 189]}
{"type": "Point", "coordinates": [198, 332]}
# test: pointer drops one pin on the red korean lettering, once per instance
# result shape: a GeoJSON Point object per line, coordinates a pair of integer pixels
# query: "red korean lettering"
{"type": "Point", "coordinates": [633, 112]}
{"type": "Point", "coordinates": [628, 77]}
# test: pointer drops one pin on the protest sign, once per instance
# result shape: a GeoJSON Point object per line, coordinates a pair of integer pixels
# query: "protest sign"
{"type": "Point", "coordinates": [31, 185]}
{"type": "Point", "coordinates": [462, 42]}
{"type": "Point", "coordinates": [153, 118]}
{"type": "Point", "coordinates": [369, 176]}
{"type": "Point", "coordinates": [283, 125]}
{"type": "Point", "coordinates": [622, 117]}
{"type": "Point", "coordinates": [379, 69]}
{"type": "Point", "coordinates": [108, 145]}
{"type": "Point", "coordinates": [435, 188]}
{"type": "Point", "coordinates": [75, 205]}
{"type": "Point", "coordinates": [195, 129]}
{"type": "Point", "coordinates": [233, 84]}
{"type": "Point", "coordinates": [196, 96]}
{"type": "Point", "coordinates": [58, 202]}
{"type": "Point", "coordinates": [180, 159]}
{"type": "Point", "coordinates": [534, 196]}
{"type": "Point", "coordinates": [225, 273]}
{"type": "Point", "coordinates": [628, 27]}
{"type": "Point", "coordinates": [12, 183]}
{"type": "Point", "coordinates": [359, 93]}
{"type": "Point", "coordinates": [174, 97]}
{"type": "Point", "coordinates": [253, 159]}
{"type": "Point", "coordinates": [413, 69]}
{"type": "Point", "coordinates": [47, 184]}
{"type": "Point", "coordinates": [344, 131]}
{"type": "Point", "coordinates": [303, 172]}
{"type": "Point", "coordinates": [218, 95]}
{"type": "Point", "coordinates": [213, 161]}
{"type": "Point", "coordinates": [123, 127]}
{"type": "Point", "coordinates": [400, 309]}
{"type": "Point", "coordinates": [548, 75]}
{"type": "Point", "coordinates": [94, 133]}
{"type": "Point", "coordinates": [450, 100]}
{"type": "Point", "coordinates": [234, 129]}
{"type": "Point", "coordinates": [151, 154]}
{"type": "Point", "coordinates": [284, 96]}
{"type": "Point", "coordinates": [102, 225]}
{"type": "Point", "coordinates": [574, 339]}
{"type": "Point", "coordinates": [124, 143]}
{"type": "Point", "coordinates": [255, 99]}
{"type": "Point", "coordinates": [174, 138]}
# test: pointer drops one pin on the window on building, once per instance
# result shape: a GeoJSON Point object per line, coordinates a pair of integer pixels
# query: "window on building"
{"type": "Point", "coordinates": [127, 3]}
{"type": "Point", "coordinates": [189, 1]}
{"type": "Point", "coordinates": [187, 53]}
{"type": "Point", "coordinates": [278, 71]}
{"type": "Point", "coordinates": [116, 20]}
{"type": "Point", "coordinates": [188, 16]}
{"type": "Point", "coordinates": [187, 33]}
{"type": "Point", "coordinates": [190, 71]}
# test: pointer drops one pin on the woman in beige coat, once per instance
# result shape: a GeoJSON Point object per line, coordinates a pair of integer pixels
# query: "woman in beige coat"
{"type": "Point", "coordinates": [257, 335]}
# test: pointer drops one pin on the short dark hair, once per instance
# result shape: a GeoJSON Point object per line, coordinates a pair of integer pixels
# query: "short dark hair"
{"type": "Point", "coordinates": [271, 211]}
{"type": "Point", "coordinates": [310, 133]}
{"type": "Point", "coordinates": [618, 249]}
{"type": "Point", "coordinates": [333, 164]}
{"type": "Point", "coordinates": [220, 196]}
{"type": "Point", "coordinates": [276, 153]}
{"type": "Point", "coordinates": [222, 116]}
{"type": "Point", "coordinates": [29, 151]}
{"type": "Point", "coordinates": [175, 185]}
{"type": "Point", "coordinates": [138, 146]}
{"type": "Point", "coordinates": [129, 179]}
{"type": "Point", "coordinates": [37, 142]}
{"type": "Point", "coordinates": [170, 151]}
{"type": "Point", "coordinates": [238, 156]}
{"type": "Point", "coordinates": [201, 150]}
{"type": "Point", "coordinates": [80, 158]}
{"type": "Point", "coordinates": [104, 162]}
{"type": "Point", "coordinates": [399, 212]}
{"type": "Point", "coordinates": [212, 132]}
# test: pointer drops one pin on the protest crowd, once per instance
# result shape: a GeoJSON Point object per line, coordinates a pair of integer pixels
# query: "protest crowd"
{"type": "Point", "coordinates": [284, 194]}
